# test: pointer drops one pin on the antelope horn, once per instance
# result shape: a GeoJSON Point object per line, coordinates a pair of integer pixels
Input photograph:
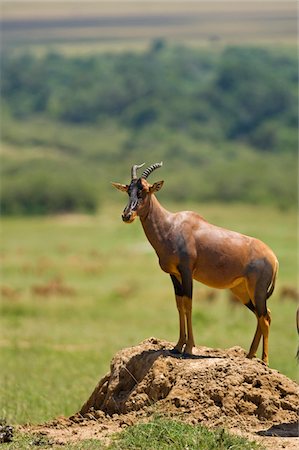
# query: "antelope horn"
{"type": "Point", "coordinates": [134, 170]}
{"type": "Point", "coordinates": [150, 169]}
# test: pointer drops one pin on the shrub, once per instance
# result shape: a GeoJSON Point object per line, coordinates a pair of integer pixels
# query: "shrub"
{"type": "Point", "coordinates": [47, 191]}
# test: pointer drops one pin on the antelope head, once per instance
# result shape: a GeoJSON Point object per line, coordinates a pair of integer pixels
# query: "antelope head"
{"type": "Point", "coordinates": [139, 191]}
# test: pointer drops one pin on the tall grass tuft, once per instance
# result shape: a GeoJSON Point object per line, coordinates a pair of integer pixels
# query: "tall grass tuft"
{"type": "Point", "coordinates": [162, 433]}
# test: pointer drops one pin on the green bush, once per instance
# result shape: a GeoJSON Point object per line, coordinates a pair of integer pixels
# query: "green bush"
{"type": "Point", "coordinates": [46, 189]}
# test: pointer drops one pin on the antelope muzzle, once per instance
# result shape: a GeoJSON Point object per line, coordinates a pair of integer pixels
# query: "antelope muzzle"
{"type": "Point", "coordinates": [129, 213]}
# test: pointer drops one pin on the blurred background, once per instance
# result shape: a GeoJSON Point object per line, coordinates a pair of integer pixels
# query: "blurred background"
{"type": "Point", "coordinates": [89, 89]}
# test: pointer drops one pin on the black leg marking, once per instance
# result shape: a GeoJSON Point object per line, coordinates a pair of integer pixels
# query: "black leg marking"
{"type": "Point", "coordinates": [187, 283]}
{"type": "Point", "coordinates": [262, 270]}
{"type": "Point", "coordinates": [251, 306]}
{"type": "Point", "coordinates": [185, 287]}
{"type": "Point", "coordinates": [178, 288]}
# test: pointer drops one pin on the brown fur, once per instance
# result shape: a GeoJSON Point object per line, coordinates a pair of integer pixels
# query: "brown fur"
{"type": "Point", "coordinates": [188, 247]}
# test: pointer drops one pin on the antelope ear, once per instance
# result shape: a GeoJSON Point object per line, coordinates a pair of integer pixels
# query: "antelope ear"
{"type": "Point", "coordinates": [120, 187]}
{"type": "Point", "coordinates": [156, 186]}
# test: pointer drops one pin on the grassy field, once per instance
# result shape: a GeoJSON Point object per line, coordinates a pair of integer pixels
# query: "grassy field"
{"type": "Point", "coordinates": [76, 289]}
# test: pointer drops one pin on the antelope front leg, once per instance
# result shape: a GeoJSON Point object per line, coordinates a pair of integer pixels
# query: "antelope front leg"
{"type": "Point", "coordinates": [187, 288]}
{"type": "Point", "coordinates": [182, 337]}
{"type": "Point", "coordinates": [188, 314]}
{"type": "Point", "coordinates": [180, 306]}
{"type": "Point", "coordinates": [183, 292]}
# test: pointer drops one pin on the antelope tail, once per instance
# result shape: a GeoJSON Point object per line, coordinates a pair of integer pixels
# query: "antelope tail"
{"type": "Point", "coordinates": [272, 285]}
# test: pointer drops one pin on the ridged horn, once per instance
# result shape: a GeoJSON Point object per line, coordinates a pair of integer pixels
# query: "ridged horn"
{"type": "Point", "coordinates": [150, 169]}
{"type": "Point", "coordinates": [134, 170]}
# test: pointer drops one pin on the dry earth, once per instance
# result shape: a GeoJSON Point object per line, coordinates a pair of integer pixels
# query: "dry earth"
{"type": "Point", "coordinates": [217, 388]}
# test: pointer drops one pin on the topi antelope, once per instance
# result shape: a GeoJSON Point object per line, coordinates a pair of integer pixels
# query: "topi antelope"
{"type": "Point", "coordinates": [188, 247]}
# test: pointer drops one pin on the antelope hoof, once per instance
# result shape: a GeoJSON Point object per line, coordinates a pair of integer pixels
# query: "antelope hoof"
{"type": "Point", "coordinates": [188, 355]}
{"type": "Point", "coordinates": [175, 351]}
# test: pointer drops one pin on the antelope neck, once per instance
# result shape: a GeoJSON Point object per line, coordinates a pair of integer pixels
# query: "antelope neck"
{"type": "Point", "coordinates": [155, 222]}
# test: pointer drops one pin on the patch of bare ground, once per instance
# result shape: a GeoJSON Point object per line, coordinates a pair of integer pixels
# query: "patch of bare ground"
{"type": "Point", "coordinates": [55, 286]}
{"type": "Point", "coordinates": [217, 388]}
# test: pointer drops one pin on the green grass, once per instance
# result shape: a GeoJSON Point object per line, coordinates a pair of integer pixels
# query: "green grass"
{"type": "Point", "coordinates": [55, 347]}
{"type": "Point", "coordinates": [162, 434]}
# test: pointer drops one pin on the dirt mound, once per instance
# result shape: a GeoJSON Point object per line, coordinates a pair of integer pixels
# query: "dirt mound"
{"type": "Point", "coordinates": [216, 387]}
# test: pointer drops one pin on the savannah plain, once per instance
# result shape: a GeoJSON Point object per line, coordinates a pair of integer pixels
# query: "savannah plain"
{"type": "Point", "coordinates": [77, 287]}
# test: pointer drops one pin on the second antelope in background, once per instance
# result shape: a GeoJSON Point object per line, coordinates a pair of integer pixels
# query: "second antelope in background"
{"type": "Point", "coordinates": [188, 247]}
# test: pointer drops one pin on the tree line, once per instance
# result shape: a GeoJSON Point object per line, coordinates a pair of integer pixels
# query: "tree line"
{"type": "Point", "coordinates": [186, 102]}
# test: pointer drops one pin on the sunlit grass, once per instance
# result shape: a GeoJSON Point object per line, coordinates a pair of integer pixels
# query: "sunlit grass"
{"type": "Point", "coordinates": [162, 434]}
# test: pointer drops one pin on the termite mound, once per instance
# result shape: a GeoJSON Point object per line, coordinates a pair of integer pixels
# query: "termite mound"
{"type": "Point", "coordinates": [214, 387]}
